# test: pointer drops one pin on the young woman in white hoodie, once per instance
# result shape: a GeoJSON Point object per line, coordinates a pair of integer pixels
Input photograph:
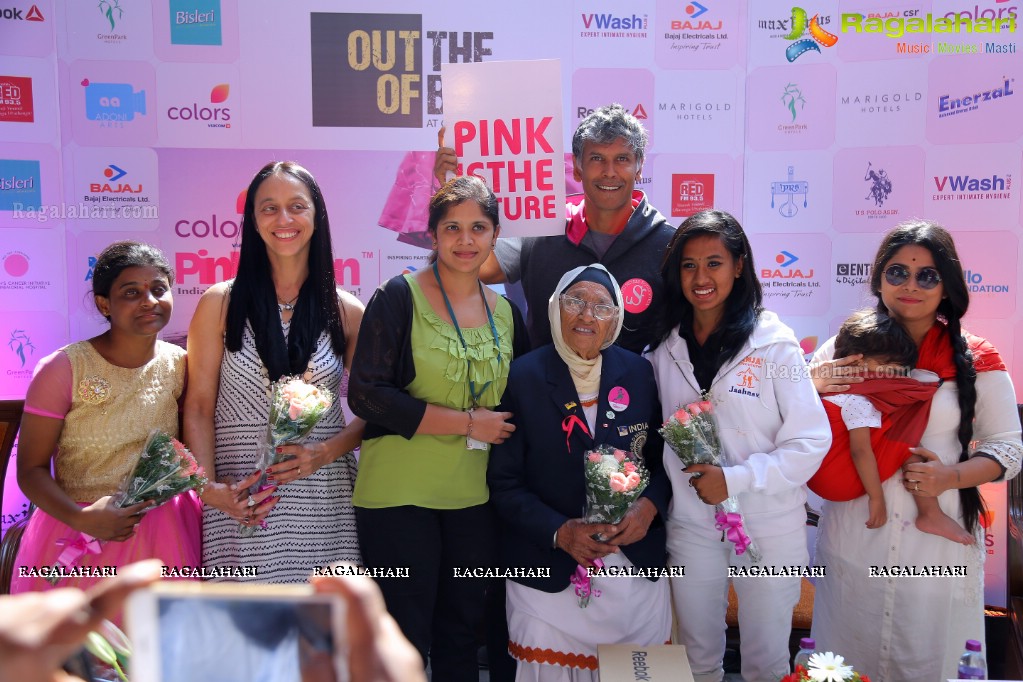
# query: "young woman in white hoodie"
{"type": "Point", "coordinates": [717, 338]}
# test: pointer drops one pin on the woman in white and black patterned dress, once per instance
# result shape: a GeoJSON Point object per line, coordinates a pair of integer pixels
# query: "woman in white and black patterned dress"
{"type": "Point", "coordinates": [285, 282]}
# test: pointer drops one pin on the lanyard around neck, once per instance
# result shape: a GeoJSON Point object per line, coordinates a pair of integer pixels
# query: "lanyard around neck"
{"type": "Point", "coordinates": [454, 321]}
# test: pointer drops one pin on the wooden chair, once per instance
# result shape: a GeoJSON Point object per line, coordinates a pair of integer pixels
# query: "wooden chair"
{"type": "Point", "coordinates": [10, 420]}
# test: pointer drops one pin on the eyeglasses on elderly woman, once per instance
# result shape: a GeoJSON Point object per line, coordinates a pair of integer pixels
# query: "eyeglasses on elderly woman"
{"type": "Point", "coordinates": [576, 306]}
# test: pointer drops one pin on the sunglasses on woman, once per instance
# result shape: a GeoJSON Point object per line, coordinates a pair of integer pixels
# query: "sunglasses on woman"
{"type": "Point", "coordinates": [576, 306]}
{"type": "Point", "coordinates": [926, 278]}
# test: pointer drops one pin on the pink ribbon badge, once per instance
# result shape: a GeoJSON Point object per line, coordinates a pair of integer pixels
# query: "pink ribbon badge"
{"type": "Point", "coordinates": [568, 424]}
{"type": "Point", "coordinates": [731, 526]}
{"type": "Point", "coordinates": [584, 588]}
{"type": "Point", "coordinates": [77, 548]}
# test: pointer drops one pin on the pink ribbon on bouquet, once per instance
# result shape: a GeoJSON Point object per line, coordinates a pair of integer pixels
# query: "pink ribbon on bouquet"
{"type": "Point", "coordinates": [731, 525]}
{"type": "Point", "coordinates": [584, 588]}
{"type": "Point", "coordinates": [77, 548]}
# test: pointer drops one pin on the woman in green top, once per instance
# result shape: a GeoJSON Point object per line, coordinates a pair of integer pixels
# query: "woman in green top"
{"type": "Point", "coordinates": [430, 367]}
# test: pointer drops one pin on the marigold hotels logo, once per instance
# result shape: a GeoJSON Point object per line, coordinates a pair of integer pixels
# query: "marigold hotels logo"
{"type": "Point", "coordinates": [195, 22]}
{"type": "Point", "coordinates": [691, 193]}
{"type": "Point", "coordinates": [975, 100]}
{"type": "Point", "coordinates": [818, 36]}
{"type": "Point", "coordinates": [20, 189]}
{"type": "Point", "coordinates": [14, 14]}
{"type": "Point", "coordinates": [113, 104]}
{"type": "Point", "coordinates": [16, 99]}
{"type": "Point", "coordinates": [610, 25]}
{"type": "Point", "coordinates": [213, 117]}
{"type": "Point", "coordinates": [788, 190]}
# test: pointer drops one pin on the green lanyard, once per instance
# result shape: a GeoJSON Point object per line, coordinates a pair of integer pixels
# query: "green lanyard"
{"type": "Point", "coordinates": [493, 330]}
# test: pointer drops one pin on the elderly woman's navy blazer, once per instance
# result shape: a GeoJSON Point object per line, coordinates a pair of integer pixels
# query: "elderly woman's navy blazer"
{"type": "Point", "coordinates": [536, 476]}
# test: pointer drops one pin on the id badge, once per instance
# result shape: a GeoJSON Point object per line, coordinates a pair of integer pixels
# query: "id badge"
{"type": "Point", "coordinates": [473, 444]}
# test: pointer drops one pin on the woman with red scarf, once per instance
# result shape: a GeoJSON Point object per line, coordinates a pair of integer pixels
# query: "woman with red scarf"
{"type": "Point", "coordinates": [885, 624]}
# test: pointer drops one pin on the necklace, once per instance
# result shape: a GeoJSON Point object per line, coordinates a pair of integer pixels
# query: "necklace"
{"type": "Point", "coordinates": [287, 305]}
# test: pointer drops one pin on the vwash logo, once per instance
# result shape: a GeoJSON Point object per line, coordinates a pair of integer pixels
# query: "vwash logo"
{"type": "Point", "coordinates": [968, 188]}
{"type": "Point", "coordinates": [609, 25]}
{"type": "Point", "coordinates": [818, 36]}
{"type": "Point", "coordinates": [214, 117]}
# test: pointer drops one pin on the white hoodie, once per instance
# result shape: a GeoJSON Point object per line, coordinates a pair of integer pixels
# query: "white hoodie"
{"type": "Point", "coordinates": [774, 431]}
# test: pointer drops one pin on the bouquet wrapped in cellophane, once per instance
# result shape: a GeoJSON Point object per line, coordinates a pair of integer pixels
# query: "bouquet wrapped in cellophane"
{"type": "Point", "coordinates": [614, 479]}
{"type": "Point", "coordinates": [165, 468]}
{"type": "Point", "coordinates": [692, 434]}
{"type": "Point", "coordinates": [295, 409]}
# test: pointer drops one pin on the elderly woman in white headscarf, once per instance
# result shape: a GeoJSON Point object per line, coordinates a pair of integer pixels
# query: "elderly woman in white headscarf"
{"type": "Point", "coordinates": [569, 398]}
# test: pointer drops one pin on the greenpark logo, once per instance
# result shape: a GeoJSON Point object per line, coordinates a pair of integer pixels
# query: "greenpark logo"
{"type": "Point", "coordinates": [897, 27]}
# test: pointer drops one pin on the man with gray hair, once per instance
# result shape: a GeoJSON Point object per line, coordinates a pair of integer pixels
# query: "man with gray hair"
{"type": "Point", "coordinates": [611, 223]}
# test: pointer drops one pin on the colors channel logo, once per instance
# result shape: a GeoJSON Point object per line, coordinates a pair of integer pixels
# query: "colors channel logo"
{"type": "Point", "coordinates": [113, 102]}
{"type": "Point", "coordinates": [818, 36]}
{"type": "Point", "coordinates": [214, 117]}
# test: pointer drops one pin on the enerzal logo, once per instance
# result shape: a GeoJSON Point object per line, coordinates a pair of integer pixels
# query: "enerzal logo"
{"type": "Point", "coordinates": [947, 106]}
{"type": "Point", "coordinates": [113, 104]}
{"type": "Point", "coordinates": [818, 36]}
{"type": "Point", "coordinates": [14, 14]}
{"type": "Point", "coordinates": [788, 190]}
{"type": "Point", "coordinates": [214, 117]}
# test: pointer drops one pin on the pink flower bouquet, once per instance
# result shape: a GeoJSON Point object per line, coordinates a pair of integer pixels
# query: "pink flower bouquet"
{"type": "Point", "coordinates": [165, 468]}
{"type": "Point", "coordinates": [295, 408]}
{"type": "Point", "coordinates": [614, 479]}
{"type": "Point", "coordinates": [692, 433]}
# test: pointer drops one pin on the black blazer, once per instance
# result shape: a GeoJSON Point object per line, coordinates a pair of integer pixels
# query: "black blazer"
{"type": "Point", "coordinates": [537, 482]}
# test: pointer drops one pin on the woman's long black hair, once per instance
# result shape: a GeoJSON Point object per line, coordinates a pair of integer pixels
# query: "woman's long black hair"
{"type": "Point", "coordinates": [952, 308]}
{"type": "Point", "coordinates": [254, 299]}
{"type": "Point", "coordinates": [745, 302]}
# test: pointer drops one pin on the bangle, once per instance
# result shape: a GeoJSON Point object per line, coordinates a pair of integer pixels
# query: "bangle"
{"type": "Point", "coordinates": [468, 432]}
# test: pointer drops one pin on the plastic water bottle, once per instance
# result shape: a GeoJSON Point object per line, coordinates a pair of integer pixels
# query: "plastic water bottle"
{"type": "Point", "coordinates": [971, 664]}
{"type": "Point", "coordinates": [806, 647]}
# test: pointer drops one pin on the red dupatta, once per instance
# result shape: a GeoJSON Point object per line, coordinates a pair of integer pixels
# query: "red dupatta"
{"type": "Point", "coordinates": [905, 406]}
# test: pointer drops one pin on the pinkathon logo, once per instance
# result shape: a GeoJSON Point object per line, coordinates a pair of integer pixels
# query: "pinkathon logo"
{"type": "Point", "coordinates": [16, 264]}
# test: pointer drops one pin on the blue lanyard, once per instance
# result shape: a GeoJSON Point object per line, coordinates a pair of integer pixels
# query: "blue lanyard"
{"type": "Point", "coordinates": [454, 321]}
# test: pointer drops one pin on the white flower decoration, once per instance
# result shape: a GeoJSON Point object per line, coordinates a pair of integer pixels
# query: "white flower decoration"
{"type": "Point", "coordinates": [827, 667]}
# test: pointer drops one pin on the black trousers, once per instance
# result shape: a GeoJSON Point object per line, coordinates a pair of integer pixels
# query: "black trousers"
{"type": "Point", "coordinates": [438, 607]}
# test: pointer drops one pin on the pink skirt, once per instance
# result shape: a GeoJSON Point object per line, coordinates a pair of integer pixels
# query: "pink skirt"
{"type": "Point", "coordinates": [172, 533]}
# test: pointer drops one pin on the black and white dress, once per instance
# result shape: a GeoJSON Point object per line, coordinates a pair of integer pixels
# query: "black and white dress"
{"type": "Point", "coordinates": [313, 524]}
